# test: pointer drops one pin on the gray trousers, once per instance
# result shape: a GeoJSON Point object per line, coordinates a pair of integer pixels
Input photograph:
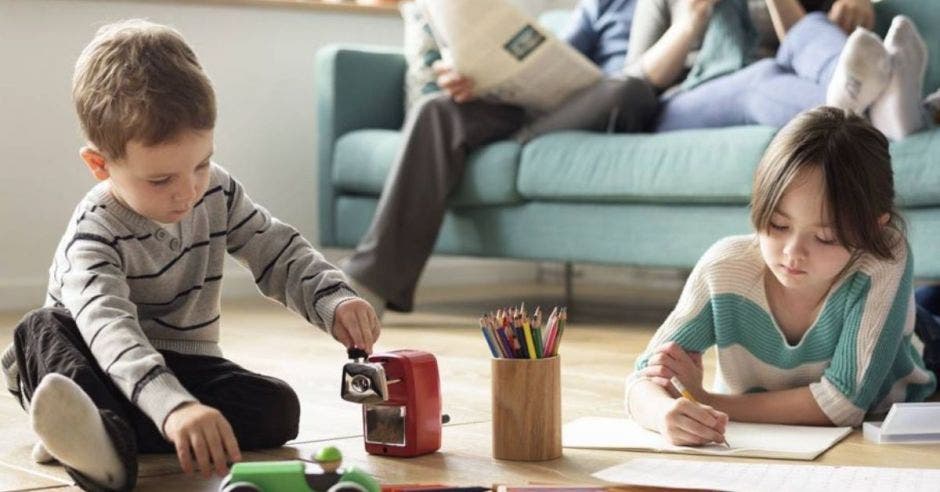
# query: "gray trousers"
{"type": "Point", "coordinates": [439, 134]}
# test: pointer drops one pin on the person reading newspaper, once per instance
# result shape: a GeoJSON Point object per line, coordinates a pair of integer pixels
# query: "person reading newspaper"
{"type": "Point", "coordinates": [444, 128]}
{"type": "Point", "coordinates": [506, 54]}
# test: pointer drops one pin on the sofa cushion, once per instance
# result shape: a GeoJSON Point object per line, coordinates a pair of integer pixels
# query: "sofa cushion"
{"type": "Point", "coordinates": [362, 160]}
{"type": "Point", "coordinates": [916, 161]}
{"type": "Point", "coordinates": [698, 166]}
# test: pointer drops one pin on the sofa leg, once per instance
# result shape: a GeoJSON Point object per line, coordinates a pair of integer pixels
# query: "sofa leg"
{"type": "Point", "coordinates": [569, 285]}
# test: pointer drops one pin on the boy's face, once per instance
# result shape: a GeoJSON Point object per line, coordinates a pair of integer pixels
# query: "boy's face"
{"type": "Point", "coordinates": [800, 247]}
{"type": "Point", "coordinates": [160, 182]}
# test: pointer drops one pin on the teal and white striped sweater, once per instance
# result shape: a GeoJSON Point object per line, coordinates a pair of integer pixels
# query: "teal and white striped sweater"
{"type": "Point", "coordinates": [859, 357]}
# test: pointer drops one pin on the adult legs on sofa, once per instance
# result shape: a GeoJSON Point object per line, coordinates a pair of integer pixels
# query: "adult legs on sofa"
{"type": "Point", "coordinates": [438, 136]}
{"type": "Point", "coordinates": [816, 64]}
{"type": "Point", "coordinates": [768, 92]}
{"type": "Point", "coordinates": [623, 104]}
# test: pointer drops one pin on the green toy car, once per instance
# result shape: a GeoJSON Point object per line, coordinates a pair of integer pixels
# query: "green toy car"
{"type": "Point", "coordinates": [299, 476]}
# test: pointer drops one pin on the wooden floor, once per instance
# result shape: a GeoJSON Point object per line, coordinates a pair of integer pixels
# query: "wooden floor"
{"type": "Point", "coordinates": [599, 348]}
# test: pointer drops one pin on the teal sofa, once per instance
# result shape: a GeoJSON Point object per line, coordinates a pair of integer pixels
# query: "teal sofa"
{"type": "Point", "coordinates": [655, 200]}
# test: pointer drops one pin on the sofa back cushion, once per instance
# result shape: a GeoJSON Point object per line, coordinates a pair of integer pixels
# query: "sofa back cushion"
{"type": "Point", "coordinates": [363, 160]}
{"type": "Point", "coordinates": [689, 167]}
{"type": "Point", "coordinates": [696, 166]}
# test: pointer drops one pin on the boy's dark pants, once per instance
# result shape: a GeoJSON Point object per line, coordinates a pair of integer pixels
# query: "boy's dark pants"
{"type": "Point", "coordinates": [264, 411]}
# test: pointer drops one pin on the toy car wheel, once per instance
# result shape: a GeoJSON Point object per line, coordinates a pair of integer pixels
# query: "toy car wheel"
{"type": "Point", "coordinates": [240, 487]}
{"type": "Point", "coordinates": [347, 486]}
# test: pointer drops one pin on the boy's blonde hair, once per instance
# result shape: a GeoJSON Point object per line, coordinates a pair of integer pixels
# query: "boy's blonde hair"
{"type": "Point", "coordinates": [856, 166]}
{"type": "Point", "coordinates": [138, 80]}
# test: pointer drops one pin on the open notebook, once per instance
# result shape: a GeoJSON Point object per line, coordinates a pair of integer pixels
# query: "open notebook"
{"type": "Point", "coordinates": [746, 440]}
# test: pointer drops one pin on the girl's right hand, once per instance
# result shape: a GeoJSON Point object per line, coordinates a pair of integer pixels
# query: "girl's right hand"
{"type": "Point", "coordinates": [687, 423]}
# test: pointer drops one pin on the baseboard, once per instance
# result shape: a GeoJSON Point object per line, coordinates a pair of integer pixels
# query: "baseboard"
{"type": "Point", "coordinates": [455, 271]}
{"type": "Point", "coordinates": [23, 294]}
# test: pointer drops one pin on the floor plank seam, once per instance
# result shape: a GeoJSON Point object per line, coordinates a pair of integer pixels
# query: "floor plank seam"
{"type": "Point", "coordinates": [31, 471]}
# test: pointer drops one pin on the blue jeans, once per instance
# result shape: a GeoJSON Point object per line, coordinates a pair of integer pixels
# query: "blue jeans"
{"type": "Point", "coordinates": [768, 92]}
{"type": "Point", "coordinates": [929, 298]}
{"type": "Point", "coordinates": [927, 324]}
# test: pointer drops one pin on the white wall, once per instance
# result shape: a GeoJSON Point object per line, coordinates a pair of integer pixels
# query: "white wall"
{"type": "Point", "coordinates": [261, 61]}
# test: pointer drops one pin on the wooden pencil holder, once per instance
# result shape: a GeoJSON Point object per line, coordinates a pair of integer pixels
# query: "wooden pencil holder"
{"type": "Point", "coordinates": [527, 409]}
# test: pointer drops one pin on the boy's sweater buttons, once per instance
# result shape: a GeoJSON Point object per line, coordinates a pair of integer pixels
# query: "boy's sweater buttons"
{"type": "Point", "coordinates": [160, 234]}
{"type": "Point", "coordinates": [174, 244]}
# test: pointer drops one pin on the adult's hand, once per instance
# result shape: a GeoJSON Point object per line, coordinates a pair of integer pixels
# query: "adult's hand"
{"type": "Point", "coordinates": [849, 14]}
{"type": "Point", "coordinates": [202, 433]}
{"type": "Point", "coordinates": [695, 15]}
{"type": "Point", "coordinates": [459, 88]}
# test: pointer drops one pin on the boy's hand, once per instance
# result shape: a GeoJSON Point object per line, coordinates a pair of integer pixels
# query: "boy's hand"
{"type": "Point", "coordinates": [356, 325]}
{"type": "Point", "coordinates": [203, 433]}
{"type": "Point", "coordinates": [669, 360]}
{"type": "Point", "coordinates": [459, 88]}
{"type": "Point", "coordinates": [687, 423]}
{"type": "Point", "coordinates": [849, 14]}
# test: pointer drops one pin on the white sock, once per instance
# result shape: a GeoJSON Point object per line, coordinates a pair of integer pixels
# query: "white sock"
{"type": "Point", "coordinates": [862, 73]}
{"type": "Point", "coordinates": [897, 112]}
{"type": "Point", "coordinates": [41, 455]}
{"type": "Point", "coordinates": [70, 427]}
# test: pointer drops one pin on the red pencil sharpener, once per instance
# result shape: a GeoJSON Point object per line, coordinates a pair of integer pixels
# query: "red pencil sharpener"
{"type": "Point", "coordinates": [400, 393]}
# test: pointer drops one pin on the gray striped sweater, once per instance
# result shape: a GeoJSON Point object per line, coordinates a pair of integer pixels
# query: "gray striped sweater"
{"type": "Point", "coordinates": [134, 288]}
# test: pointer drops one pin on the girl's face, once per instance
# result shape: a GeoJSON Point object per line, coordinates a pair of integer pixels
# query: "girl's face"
{"type": "Point", "coordinates": [800, 247]}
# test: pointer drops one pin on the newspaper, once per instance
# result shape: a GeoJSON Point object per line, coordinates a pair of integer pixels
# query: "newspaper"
{"type": "Point", "coordinates": [509, 57]}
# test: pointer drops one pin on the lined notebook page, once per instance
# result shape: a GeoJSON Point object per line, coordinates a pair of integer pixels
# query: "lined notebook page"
{"type": "Point", "coordinates": [746, 440]}
{"type": "Point", "coordinates": [758, 477]}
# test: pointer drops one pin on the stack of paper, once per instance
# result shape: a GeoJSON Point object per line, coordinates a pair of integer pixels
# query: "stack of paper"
{"type": "Point", "coordinates": [907, 423]}
{"type": "Point", "coordinates": [760, 477]}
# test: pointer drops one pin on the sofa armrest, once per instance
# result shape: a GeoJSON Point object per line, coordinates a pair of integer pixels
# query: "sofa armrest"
{"type": "Point", "coordinates": [357, 87]}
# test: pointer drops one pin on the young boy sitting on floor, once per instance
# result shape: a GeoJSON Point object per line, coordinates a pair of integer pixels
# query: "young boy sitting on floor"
{"type": "Point", "coordinates": [124, 356]}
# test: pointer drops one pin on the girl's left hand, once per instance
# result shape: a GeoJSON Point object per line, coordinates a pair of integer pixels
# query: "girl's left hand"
{"type": "Point", "coordinates": [669, 360]}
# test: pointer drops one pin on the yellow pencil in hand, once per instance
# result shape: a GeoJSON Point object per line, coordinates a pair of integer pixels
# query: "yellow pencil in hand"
{"type": "Point", "coordinates": [685, 394]}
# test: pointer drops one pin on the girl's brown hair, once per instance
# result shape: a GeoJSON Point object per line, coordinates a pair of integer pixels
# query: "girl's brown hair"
{"type": "Point", "coordinates": [856, 166]}
{"type": "Point", "coordinates": [138, 80]}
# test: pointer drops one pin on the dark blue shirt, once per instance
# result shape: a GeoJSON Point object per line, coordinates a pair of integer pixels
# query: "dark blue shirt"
{"type": "Point", "coordinates": [600, 30]}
